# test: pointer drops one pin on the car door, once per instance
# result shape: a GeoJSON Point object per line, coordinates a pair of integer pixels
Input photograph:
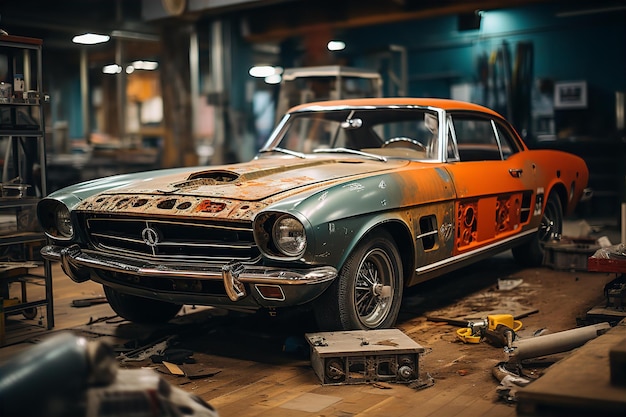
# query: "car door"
{"type": "Point", "coordinates": [494, 182]}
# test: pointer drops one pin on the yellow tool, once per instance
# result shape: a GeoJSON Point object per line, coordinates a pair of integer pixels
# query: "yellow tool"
{"type": "Point", "coordinates": [498, 327]}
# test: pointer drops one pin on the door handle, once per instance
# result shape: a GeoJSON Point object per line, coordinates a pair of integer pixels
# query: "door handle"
{"type": "Point", "coordinates": [516, 172]}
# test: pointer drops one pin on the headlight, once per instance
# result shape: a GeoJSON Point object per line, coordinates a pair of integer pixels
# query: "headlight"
{"type": "Point", "coordinates": [63, 222]}
{"type": "Point", "coordinates": [289, 237]}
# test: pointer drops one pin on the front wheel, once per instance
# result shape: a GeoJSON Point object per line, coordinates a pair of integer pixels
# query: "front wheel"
{"type": "Point", "coordinates": [531, 253]}
{"type": "Point", "coordinates": [139, 309]}
{"type": "Point", "coordinates": [368, 290]}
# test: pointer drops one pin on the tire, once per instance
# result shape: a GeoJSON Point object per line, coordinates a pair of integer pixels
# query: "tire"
{"type": "Point", "coordinates": [531, 254]}
{"type": "Point", "coordinates": [356, 299]}
{"type": "Point", "coordinates": [139, 309]}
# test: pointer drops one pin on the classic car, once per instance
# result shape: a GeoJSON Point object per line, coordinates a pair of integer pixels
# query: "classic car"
{"type": "Point", "coordinates": [347, 203]}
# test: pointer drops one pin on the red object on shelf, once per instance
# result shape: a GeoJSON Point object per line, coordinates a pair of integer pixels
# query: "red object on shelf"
{"type": "Point", "coordinates": [606, 265]}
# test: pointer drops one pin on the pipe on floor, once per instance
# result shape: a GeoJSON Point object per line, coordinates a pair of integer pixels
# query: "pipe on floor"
{"type": "Point", "coordinates": [555, 343]}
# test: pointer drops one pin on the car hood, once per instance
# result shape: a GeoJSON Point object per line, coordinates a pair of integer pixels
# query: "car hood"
{"type": "Point", "coordinates": [256, 180]}
{"type": "Point", "coordinates": [252, 185]}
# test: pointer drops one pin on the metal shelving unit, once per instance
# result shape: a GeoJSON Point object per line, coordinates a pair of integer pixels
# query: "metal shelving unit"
{"type": "Point", "coordinates": [23, 178]}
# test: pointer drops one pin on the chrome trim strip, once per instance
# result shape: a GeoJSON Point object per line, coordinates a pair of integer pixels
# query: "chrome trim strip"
{"type": "Point", "coordinates": [76, 259]}
{"type": "Point", "coordinates": [463, 256]}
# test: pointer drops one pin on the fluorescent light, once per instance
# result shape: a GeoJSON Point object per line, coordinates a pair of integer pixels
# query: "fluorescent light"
{"type": "Point", "coordinates": [145, 65]}
{"type": "Point", "coordinates": [90, 38]}
{"type": "Point", "coordinates": [336, 46]}
{"type": "Point", "coordinates": [262, 71]}
{"type": "Point", "coordinates": [112, 69]}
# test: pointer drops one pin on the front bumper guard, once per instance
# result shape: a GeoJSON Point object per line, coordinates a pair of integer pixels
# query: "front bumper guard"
{"type": "Point", "coordinates": [76, 261]}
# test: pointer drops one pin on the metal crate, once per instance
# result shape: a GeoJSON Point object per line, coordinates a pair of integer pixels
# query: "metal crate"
{"type": "Point", "coordinates": [362, 356]}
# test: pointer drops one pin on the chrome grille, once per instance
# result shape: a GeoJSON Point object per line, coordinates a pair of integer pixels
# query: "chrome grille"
{"type": "Point", "coordinates": [172, 240]}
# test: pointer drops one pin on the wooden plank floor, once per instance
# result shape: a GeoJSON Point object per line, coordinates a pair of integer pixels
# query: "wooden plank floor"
{"type": "Point", "coordinates": [261, 373]}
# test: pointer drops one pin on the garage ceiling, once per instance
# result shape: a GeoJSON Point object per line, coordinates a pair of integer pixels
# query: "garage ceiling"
{"type": "Point", "coordinates": [136, 21]}
{"type": "Point", "coordinates": [57, 21]}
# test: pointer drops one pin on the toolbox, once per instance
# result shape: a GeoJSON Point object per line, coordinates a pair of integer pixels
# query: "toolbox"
{"type": "Point", "coordinates": [569, 256]}
{"type": "Point", "coordinates": [362, 356]}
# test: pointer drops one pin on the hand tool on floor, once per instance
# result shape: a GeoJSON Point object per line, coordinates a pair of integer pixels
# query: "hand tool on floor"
{"type": "Point", "coordinates": [497, 329]}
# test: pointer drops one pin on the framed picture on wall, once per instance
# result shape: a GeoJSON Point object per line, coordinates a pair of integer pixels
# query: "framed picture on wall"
{"type": "Point", "coordinates": [570, 95]}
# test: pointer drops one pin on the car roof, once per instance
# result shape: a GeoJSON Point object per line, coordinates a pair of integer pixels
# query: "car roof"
{"type": "Point", "coordinates": [444, 104]}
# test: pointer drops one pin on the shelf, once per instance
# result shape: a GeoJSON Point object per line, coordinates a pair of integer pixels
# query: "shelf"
{"type": "Point", "coordinates": [23, 179]}
{"type": "Point", "coordinates": [15, 202]}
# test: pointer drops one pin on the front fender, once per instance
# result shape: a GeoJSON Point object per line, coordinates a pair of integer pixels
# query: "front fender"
{"type": "Point", "coordinates": [337, 239]}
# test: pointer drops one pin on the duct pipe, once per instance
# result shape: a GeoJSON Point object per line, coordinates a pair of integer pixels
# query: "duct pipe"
{"type": "Point", "coordinates": [555, 343]}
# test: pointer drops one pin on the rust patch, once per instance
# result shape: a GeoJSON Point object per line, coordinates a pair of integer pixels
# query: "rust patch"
{"type": "Point", "coordinates": [208, 206]}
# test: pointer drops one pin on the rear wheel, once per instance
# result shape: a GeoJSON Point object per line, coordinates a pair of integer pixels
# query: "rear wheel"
{"type": "Point", "coordinates": [139, 309]}
{"type": "Point", "coordinates": [368, 291]}
{"type": "Point", "coordinates": [551, 227]}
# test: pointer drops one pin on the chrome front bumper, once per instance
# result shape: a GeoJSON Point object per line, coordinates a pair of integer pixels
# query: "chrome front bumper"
{"type": "Point", "coordinates": [77, 263]}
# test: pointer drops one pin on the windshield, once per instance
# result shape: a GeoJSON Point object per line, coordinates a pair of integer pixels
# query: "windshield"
{"type": "Point", "coordinates": [408, 133]}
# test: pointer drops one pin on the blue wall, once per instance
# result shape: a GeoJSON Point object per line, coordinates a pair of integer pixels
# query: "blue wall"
{"type": "Point", "coordinates": [590, 47]}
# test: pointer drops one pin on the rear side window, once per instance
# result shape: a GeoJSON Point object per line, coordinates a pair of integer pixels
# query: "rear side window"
{"type": "Point", "coordinates": [481, 139]}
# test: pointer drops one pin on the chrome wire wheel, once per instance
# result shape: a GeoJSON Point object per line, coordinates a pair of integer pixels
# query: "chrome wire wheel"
{"type": "Point", "coordinates": [374, 288]}
{"type": "Point", "coordinates": [367, 293]}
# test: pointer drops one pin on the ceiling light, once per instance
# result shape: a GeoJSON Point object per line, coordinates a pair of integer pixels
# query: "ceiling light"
{"type": "Point", "coordinates": [145, 65]}
{"type": "Point", "coordinates": [90, 38]}
{"type": "Point", "coordinates": [112, 69]}
{"type": "Point", "coordinates": [336, 46]}
{"type": "Point", "coordinates": [262, 71]}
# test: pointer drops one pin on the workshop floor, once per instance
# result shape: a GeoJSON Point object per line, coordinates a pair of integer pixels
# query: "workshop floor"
{"type": "Point", "coordinates": [259, 366]}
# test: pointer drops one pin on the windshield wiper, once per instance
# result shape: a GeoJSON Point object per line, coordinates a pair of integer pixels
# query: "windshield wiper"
{"type": "Point", "coordinates": [352, 151]}
{"type": "Point", "coordinates": [283, 150]}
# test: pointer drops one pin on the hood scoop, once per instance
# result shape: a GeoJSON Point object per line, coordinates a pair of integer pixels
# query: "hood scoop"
{"type": "Point", "coordinates": [214, 177]}
{"type": "Point", "coordinates": [207, 178]}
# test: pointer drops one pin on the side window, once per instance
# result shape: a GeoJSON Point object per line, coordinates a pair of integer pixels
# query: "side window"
{"type": "Point", "coordinates": [507, 142]}
{"type": "Point", "coordinates": [452, 148]}
{"type": "Point", "coordinates": [476, 139]}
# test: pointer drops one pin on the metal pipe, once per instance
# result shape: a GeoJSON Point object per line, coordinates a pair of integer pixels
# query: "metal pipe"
{"type": "Point", "coordinates": [555, 343]}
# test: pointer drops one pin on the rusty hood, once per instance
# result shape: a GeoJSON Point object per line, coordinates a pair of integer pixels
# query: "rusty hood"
{"type": "Point", "coordinates": [222, 189]}
{"type": "Point", "coordinates": [258, 179]}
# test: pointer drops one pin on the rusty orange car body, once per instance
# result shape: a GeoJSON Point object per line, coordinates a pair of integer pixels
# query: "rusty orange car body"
{"type": "Point", "coordinates": [348, 203]}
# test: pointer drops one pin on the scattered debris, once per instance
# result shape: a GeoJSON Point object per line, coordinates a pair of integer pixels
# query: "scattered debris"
{"type": "Point", "coordinates": [88, 302]}
{"type": "Point", "coordinates": [101, 319]}
{"type": "Point", "coordinates": [509, 284]}
{"type": "Point", "coordinates": [173, 368]}
{"type": "Point", "coordinates": [422, 383]}
{"type": "Point", "coordinates": [177, 356]}
{"type": "Point", "coordinates": [145, 352]}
